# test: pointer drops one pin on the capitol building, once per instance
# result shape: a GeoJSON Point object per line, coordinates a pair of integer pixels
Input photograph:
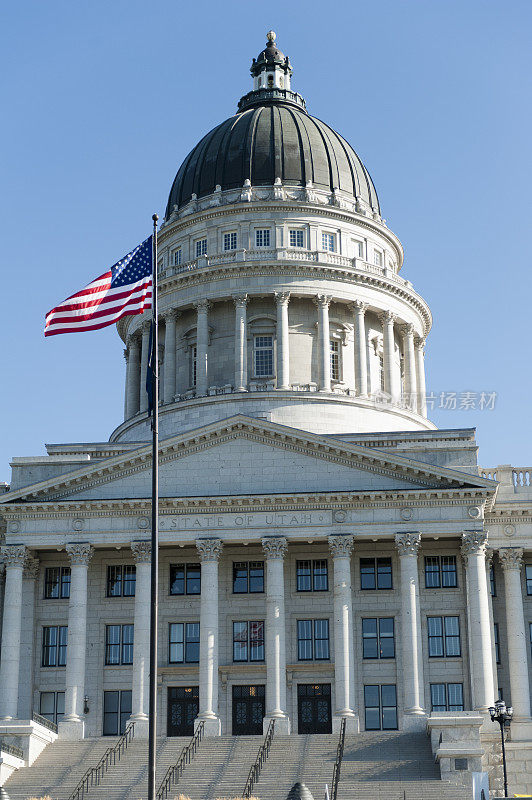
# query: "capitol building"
{"type": "Point", "coordinates": [326, 553]}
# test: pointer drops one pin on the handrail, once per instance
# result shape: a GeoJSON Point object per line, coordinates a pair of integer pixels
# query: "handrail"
{"type": "Point", "coordinates": [94, 775]}
{"type": "Point", "coordinates": [262, 755]}
{"type": "Point", "coordinates": [187, 754]}
{"type": "Point", "coordinates": [338, 762]}
{"type": "Point", "coordinates": [44, 722]}
{"type": "Point", "coordinates": [11, 749]}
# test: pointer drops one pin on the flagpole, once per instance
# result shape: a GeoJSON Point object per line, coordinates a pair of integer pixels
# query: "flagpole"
{"type": "Point", "coordinates": [152, 724]}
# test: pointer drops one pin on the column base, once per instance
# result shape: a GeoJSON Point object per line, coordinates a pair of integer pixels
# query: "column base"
{"type": "Point", "coordinates": [213, 726]}
{"type": "Point", "coordinates": [282, 725]}
{"type": "Point", "coordinates": [352, 723]}
{"type": "Point", "coordinates": [73, 729]}
{"type": "Point", "coordinates": [415, 721]}
{"type": "Point", "coordinates": [142, 726]}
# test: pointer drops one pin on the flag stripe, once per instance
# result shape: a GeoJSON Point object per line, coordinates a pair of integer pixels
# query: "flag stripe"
{"type": "Point", "coordinates": [144, 301]}
{"type": "Point", "coordinates": [93, 307]}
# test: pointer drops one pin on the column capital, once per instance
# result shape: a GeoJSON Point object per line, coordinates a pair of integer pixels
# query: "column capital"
{"type": "Point", "coordinates": [407, 329]}
{"type": "Point", "coordinates": [490, 552]}
{"type": "Point", "coordinates": [341, 545]}
{"type": "Point", "coordinates": [408, 543]}
{"type": "Point", "coordinates": [132, 340]}
{"type": "Point", "coordinates": [274, 547]}
{"type": "Point", "coordinates": [387, 317]}
{"type": "Point", "coordinates": [126, 354]}
{"type": "Point", "coordinates": [282, 298]}
{"type": "Point", "coordinates": [240, 300]}
{"type": "Point", "coordinates": [209, 549]}
{"type": "Point", "coordinates": [145, 327]}
{"type": "Point", "coordinates": [202, 306]}
{"type": "Point", "coordinates": [141, 551]}
{"type": "Point", "coordinates": [511, 557]}
{"type": "Point", "coordinates": [31, 567]}
{"type": "Point", "coordinates": [323, 300]}
{"type": "Point", "coordinates": [79, 553]}
{"type": "Point", "coordinates": [419, 342]}
{"type": "Point", "coordinates": [474, 543]}
{"type": "Point", "coordinates": [359, 306]}
{"type": "Point", "coordinates": [171, 315]}
{"type": "Point", "coordinates": [14, 555]}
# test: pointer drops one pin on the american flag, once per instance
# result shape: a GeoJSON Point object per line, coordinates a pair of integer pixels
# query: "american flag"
{"type": "Point", "coordinates": [125, 289]}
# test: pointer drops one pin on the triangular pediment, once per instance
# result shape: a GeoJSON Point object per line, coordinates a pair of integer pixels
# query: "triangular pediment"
{"type": "Point", "coordinates": [243, 456]}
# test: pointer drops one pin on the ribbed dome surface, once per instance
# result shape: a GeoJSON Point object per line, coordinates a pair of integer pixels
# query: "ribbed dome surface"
{"type": "Point", "coordinates": [266, 142]}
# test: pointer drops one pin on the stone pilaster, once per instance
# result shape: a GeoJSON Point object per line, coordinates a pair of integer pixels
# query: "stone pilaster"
{"type": "Point", "coordinates": [344, 658]}
{"type": "Point", "coordinates": [202, 347]}
{"type": "Point", "coordinates": [324, 344]}
{"type": "Point", "coordinates": [241, 343]}
{"type": "Point", "coordinates": [411, 393]}
{"type": "Point", "coordinates": [391, 378]}
{"type": "Point", "coordinates": [283, 353]}
{"type": "Point", "coordinates": [361, 359]}
{"type": "Point", "coordinates": [275, 548]}
{"type": "Point", "coordinates": [412, 651]}
{"type": "Point", "coordinates": [14, 559]}
{"type": "Point", "coordinates": [209, 551]}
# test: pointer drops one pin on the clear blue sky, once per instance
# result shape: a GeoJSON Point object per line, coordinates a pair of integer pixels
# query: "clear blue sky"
{"type": "Point", "coordinates": [101, 102]}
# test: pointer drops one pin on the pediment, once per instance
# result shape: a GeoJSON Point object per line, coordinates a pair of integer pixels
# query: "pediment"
{"type": "Point", "coordinates": [243, 456]}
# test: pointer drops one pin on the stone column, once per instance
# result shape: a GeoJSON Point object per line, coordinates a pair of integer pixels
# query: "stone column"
{"type": "Point", "coordinates": [73, 723]}
{"type": "Point", "coordinates": [133, 377]}
{"type": "Point", "coordinates": [511, 559]}
{"type": "Point", "coordinates": [241, 343]}
{"type": "Point", "coordinates": [411, 393]}
{"type": "Point", "coordinates": [391, 382]}
{"type": "Point", "coordinates": [202, 347]}
{"type": "Point", "coordinates": [126, 385]}
{"type": "Point", "coordinates": [27, 638]}
{"type": "Point", "coordinates": [412, 668]}
{"type": "Point", "coordinates": [480, 634]}
{"type": "Point", "coordinates": [275, 551]}
{"type": "Point", "coordinates": [283, 353]}
{"type": "Point", "coordinates": [361, 359]}
{"type": "Point", "coordinates": [419, 345]}
{"type": "Point", "coordinates": [14, 558]}
{"type": "Point", "coordinates": [489, 562]}
{"type": "Point", "coordinates": [344, 658]}
{"type": "Point", "coordinates": [209, 552]}
{"type": "Point", "coordinates": [169, 356]}
{"type": "Point", "coordinates": [143, 394]}
{"type": "Point", "coordinates": [140, 695]}
{"type": "Point", "coordinates": [324, 345]}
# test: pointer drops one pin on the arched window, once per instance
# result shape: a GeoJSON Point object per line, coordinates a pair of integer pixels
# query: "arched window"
{"type": "Point", "coordinates": [270, 81]}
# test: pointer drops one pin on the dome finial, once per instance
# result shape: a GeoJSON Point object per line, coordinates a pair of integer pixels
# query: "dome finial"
{"type": "Point", "coordinates": [271, 37]}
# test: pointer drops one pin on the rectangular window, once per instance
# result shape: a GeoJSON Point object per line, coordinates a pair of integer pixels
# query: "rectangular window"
{"type": "Point", "coordinates": [183, 644]}
{"type": "Point", "coordinates": [380, 704]}
{"type": "Point", "coordinates": [57, 583]}
{"type": "Point", "coordinates": [193, 364]}
{"type": "Point", "coordinates": [328, 242]}
{"type": "Point", "coordinates": [312, 576]}
{"type": "Point", "coordinates": [296, 238]}
{"type": "Point", "coordinates": [358, 248]}
{"type": "Point", "coordinates": [335, 360]}
{"type": "Point", "coordinates": [528, 575]}
{"type": "Point", "coordinates": [116, 712]}
{"type": "Point", "coordinates": [121, 580]}
{"type": "Point", "coordinates": [54, 646]}
{"type": "Point", "coordinates": [185, 578]}
{"type": "Point", "coordinates": [248, 641]}
{"type": "Point", "coordinates": [493, 585]}
{"type": "Point", "coordinates": [378, 639]}
{"type": "Point", "coordinates": [444, 637]}
{"type": "Point", "coordinates": [440, 572]}
{"type": "Point", "coordinates": [313, 639]}
{"type": "Point", "coordinates": [52, 706]}
{"type": "Point", "coordinates": [376, 573]}
{"type": "Point", "coordinates": [497, 642]}
{"type": "Point", "coordinates": [118, 644]}
{"type": "Point", "coordinates": [229, 241]}
{"type": "Point", "coordinates": [447, 696]}
{"type": "Point", "coordinates": [377, 258]}
{"type": "Point", "coordinates": [201, 247]}
{"type": "Point", "coordinates": [263, 356]}
{"type": "Point", "coordinates": [262, 237]}
{"type": "Point", "coordinates": [248, 577]}
{"type": "Point", "coordinates": [178, 257]}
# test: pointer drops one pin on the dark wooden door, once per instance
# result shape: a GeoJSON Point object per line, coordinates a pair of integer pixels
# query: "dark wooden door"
{"type": "Point", "coordinates": [314, 708]}
{"type": "Point", "coordinates": [248, 710]}
{"type": "Point", "coordinates": [183, 707]}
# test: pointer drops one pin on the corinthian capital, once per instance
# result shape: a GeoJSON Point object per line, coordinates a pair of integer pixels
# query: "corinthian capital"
{"type": "Point", "coordinates": [79, 553]}
{"type": "Point", "coordinates": [282, 298]}
{"type": "Point", "coordinates": [202, 306]}
{"type": "Point", "coordinates": [14, 555]}
{"type": "Point", "coordinates": [341, 545]}
{"type": "Point", "coordinates": [240, 299]}
{"type": "Point", "coordinates": [274, 546]}
{"type": "Point", "coordinates": [141, 551]}
{"type": "Point", "coordinates": [387, 317]}
{"type": "Point", "coordinates": [419, 342]}
{"type": "Point", "coordinates": [407, 329]}
{"type": "Point", "coordinates": [474, 543]}
{"type": "Point", "coordinates": [511, 557]}
{"type": "Point", "coordinates": [31, 567]}
{"type": "Point", "coordinates": [209, 549]}
{"type": "Point", "coordinates": [359, 306]}
{"type": "Point", "coordinates": [408, 543]}
{"type": "Point", "coordinates": [323, 300]}
{"type": "Point", "coordinates": [171, 315]}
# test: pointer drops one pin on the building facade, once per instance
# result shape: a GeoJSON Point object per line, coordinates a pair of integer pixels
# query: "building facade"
{"type": "Point", "coordinates": [326, 552]}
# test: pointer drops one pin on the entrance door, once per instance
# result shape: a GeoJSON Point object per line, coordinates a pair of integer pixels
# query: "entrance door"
{"type": "Point", "coordinates": [183, 707]}
{"type": "Point", "coordinates": [248, 710]}
{"type": "Point", "coordinates": [314, 708]}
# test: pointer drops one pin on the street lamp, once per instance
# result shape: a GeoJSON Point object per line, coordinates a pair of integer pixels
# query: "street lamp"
{"type": "Point", "coordinates": [499, 713]}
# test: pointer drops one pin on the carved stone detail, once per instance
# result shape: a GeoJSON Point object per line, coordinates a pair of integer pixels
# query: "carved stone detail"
{"type": "Point", "coordinates": [359, 306]}
{"type": "Point", "coordinates": [323, 300]}
{"type": "Point", "coordinates": [240, 299]}
{"type": "Point", "coordinates": [341, 545]}
{"type": "Point", "coordinates": [31, 567]}
{"type": "Point", "coordinates": [408, 543]}
{"type": "Point", "coordinates": [79, 553]}
{"type": "Point", "coordinates": [474, 543]}
{"type": "Point", "coordinates": [419, 342]}
{"type": "Point", "coordinates": [407, 329]}
{"type": "Point", "coordinates": [14, 555]}
{"type": "Point", "coordinates": [490, 552]}
{"type": "Point", "coordinates": [209, 549]}
{"type": "Point", "coordinates": [141, 551]}
{"type": "Point", "coordinates": [275, 546]}
{"type": "Point", "coordinates": [202, 306]}
{"type": "Point", "coordinates": [511, 557]}
{"type": "Point", "coordinates": [282, 297]}
{"type": "Point", "coordinates": [387, 316]}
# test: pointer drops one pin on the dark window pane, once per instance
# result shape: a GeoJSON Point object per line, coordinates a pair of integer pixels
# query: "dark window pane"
{"type": "Point", "coordinates": [437, 697]}
{"type": "Point", "coordinates": [256, 641]}
{"type": "Point", "coordinates": [193, 579]}
{"type": "Point", "coordinates": [110, 713]}
{"type": "Point", "coordinates": [256, 576]}
{"type": "Point", "coordinates": [176, 643]}
{"type": "Point", "coordinates": [372, 719]}
{"type": "Point", "coordinates": [448, 571]}
{"type": "Point", "coordinates": [62, 646]}
{"type": "Point", "coordinates": [389, 695]}
{"type": "Point", "coordinates": [321, 639]}
{"type": "Point", "coordinates": [432, 572]}
{"type": "Point", "coordinates": [52, 582]}
{"type": "Point", "coordinates": [321, 581]}
{"type": "Point", "coordinates": [240, 641]}
{"type": "Point", "coordinates": [304, 583]}
{"type": "Point", "coordinates": [367, 573]}
{"type": "Point", "coordinates": [127, 644]}
{"type": "Point", "coordinates": [47, 705]}
{"type": "Point", "coordinates": [125, 710]}
{"type": "Point", "coordinates": [65, 582]}
{"type": "Point", "coordinates": [192, 642]}
{"type": "Point", "coordinates": [130, 572]}
{"type": "Point", "coordinates": [389, 719]}
{"type": "Point", "coordinates": [114, 581]}
{"type": "Point", "coordinates": [112, 644]}
{"type": "Point", "coordinates": [384, 573]}
{"type": "Point", "coordinates": [177, 579]}
{"type": "Point", "coordinates": [371, 696]}
{"type": "Point", "coordinates": [455, 695]}
{"type": "Point", "coordinates": [304, 639]}
{"type": "Point", "coordinates": [528, 573]}
{"type": "Point", "coordinates": [240, 577]}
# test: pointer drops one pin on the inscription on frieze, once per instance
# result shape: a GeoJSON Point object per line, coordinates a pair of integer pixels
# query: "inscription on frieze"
{"type": "Point", "coordinates": [288, 519]}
